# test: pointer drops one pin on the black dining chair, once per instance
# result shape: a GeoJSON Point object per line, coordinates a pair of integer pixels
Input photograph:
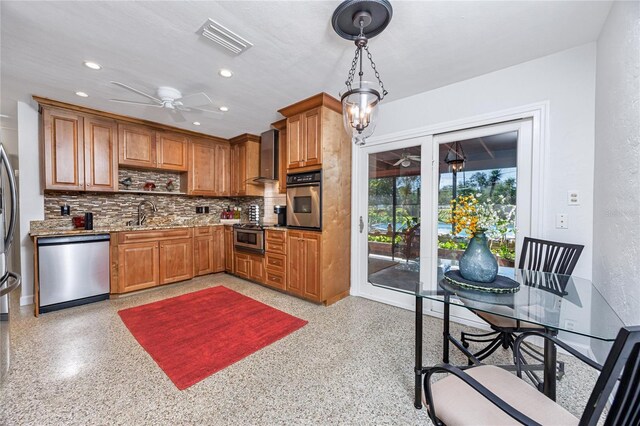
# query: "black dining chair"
{"type": "Point", "coordinates": [490, 395]}
{"type": "Point", "coordinates": [537, 255]}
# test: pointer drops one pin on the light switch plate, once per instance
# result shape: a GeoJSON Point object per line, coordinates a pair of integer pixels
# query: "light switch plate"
{"type": "Point", "coordinates": [573, 198]}
{"type": "Point", "coordinates": [562, 221]}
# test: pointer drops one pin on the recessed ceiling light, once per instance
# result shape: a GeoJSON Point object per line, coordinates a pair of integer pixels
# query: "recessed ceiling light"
{"type": "Point", "coordinates": [224, 108]}
{"type": "Point", "coordinates": [196, 123]}
{"type": "Point", "coordinates": [82, 94]}
{"type": "Point", "coordinates": [92, 65]}
{"type": "Point", "coordinates": [225, 73]}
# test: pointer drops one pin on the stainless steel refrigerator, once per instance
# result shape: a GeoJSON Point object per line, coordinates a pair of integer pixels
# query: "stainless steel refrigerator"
{"type": "Point", "coordinates": [8, 217]}
{"type": "Point", "coordinates": [9, 281]}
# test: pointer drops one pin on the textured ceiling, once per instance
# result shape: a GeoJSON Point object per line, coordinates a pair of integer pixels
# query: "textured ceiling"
{"type": "Point", "coordinates": [296, 54]}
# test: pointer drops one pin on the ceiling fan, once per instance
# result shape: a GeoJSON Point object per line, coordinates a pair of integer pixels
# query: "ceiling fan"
{"type": "Point", "coordinates": [172, 100]}
{"type": "Point", "coordinates": [406, 159]}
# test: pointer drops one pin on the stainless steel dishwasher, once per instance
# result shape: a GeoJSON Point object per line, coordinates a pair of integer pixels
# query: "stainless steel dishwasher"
{"type": "Point", "coordinates": [72, 271]}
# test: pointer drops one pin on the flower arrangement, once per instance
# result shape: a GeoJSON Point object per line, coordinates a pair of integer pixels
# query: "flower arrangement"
{"type": "Point", "coordinates": [467, 214]}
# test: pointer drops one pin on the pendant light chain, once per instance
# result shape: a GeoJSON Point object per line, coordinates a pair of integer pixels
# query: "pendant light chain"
{"type": "Point", "coordinates": [352, 71]}
{"type": "Point", "coordinates": [373, 65]}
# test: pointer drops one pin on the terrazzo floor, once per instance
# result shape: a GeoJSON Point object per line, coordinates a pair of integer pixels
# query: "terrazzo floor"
{"type": "Point", "coordinates": [352, 364]}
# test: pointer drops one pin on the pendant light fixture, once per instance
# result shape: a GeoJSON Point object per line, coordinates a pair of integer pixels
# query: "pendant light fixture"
{"type": "Point", "coordinates": [359, 20]}
{"type": "Point", "coordinates": [455, 158]}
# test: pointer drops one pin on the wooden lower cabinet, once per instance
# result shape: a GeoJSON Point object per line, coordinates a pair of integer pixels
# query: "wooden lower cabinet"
{"type": "Point", "coordinates": [229, 262]}
{"type": "Point", "coordinates": [242, 265]}
{"type": "Point", "coordinates": [176, 258]}
{"type": "Point", "coordinates": [138, 266]}
{"type": "Point", "coordinates": [303, 269]}
{"type": "Point", "coordinates": [202, 255]}
{"type": "Point", "coordinates": [250, 266]}
{"type": "Point", "coordinates": [208, 250]}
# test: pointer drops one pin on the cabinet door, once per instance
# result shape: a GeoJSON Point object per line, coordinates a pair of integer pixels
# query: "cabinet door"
{"type": "Point", "coordinates": [311, 146]}
{"type": "Point", "coordinates": [63, 150]}
{"type": "Point", "coordinates": [311, 264]}
{"type": "Point", "coordinates": [242, 265]}
{"type": "Point", "coordinates": [173, 150]}
{"type": "Point", "coordinates": [222, 177]}
{"type": "Point", "coordinates": [295, 135]}
{"type": "Point", "coordinates": [137, 266]}
{"type": "Point", "coordinates": [176, 260]}
{"type": "Point", "coordinates": [257, 268]}
{"type": "Point", "coordinates": [218, 249]}
{"type": "Point", "coordinates": [202, 255]}
{"type": "Point", "coordinates": [295, 264]}
{"type": "Point", "coordinates": [239, 169]}
{"type": "Point", "coordinates": [228, 250]}
{"type": "Point", "coordinates": [201, 176]}
{"type": "Point", "coordinates": [100, 154]}
{"type": "Point", "coordinates": [282, 161]}
{"type": "Point", "coordinates": [136, 146]}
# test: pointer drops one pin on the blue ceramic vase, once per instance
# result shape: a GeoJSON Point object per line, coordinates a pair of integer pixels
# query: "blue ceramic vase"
{"type": "Point", "coordinates": [478, 263]}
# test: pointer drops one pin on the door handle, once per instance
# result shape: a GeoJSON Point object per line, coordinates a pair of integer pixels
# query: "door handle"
{"type": "Point", "coordinates": [361, 224]}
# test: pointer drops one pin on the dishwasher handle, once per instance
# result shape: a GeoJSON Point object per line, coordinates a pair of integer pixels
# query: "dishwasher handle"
{"type": "Point", "coordinates": [74, 239]}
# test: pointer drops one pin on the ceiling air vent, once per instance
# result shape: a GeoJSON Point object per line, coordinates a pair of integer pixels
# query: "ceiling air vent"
{"type": "Point", "coordinates": [224, 37]}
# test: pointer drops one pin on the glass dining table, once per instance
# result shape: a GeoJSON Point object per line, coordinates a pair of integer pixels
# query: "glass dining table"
{"type": "Point", "coordinates": [553, 301]}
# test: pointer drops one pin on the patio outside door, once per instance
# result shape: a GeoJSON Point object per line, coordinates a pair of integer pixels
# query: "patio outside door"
{"type": "Point", "coordinates": [403, 195]}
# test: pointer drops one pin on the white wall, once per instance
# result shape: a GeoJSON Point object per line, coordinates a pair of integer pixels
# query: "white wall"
{"type": "Point", "coordinates": [567, 81]}
{"type": "Point", "coordinates": [616, 235]}
{"type": "Point", "coordinates": [31, 195]}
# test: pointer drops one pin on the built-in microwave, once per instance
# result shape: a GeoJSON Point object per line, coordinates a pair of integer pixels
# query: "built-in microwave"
{"type": "Point", "coordinates": [304, 200]}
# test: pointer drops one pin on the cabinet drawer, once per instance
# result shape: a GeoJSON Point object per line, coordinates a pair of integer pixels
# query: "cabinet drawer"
{"type": "Point", "coordinates": [141, 236]}
{"type": "Point", "coordinates": [202, 231]}
{"type": "Point", "coordinates": [275, 262]}
{"type": "Point", "coordinates": [276, 279]}
{"type": "Point", "coordinates": [275, 247]}
{"type": "Point", "coordinates": [275, 236]}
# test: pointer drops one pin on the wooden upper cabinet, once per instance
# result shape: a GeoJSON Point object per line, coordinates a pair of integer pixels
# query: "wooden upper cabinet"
{"type": "Point", "coordinates": [312, 137]}
{"type": "Point", "coordinates": [304, 139]}
{"type": "Point", "coordinates": [281, 127]}
{"type": "Point", "coordinates": [63, 149]}
{"type": "Point", "coordinates": [222, 169]}
{"type": "Point", "coordinates": [136, 146]}
{"type": "Point", "coordinates": [245, 165]}
{"type": "Point", "coordinates": [172, 151]}
{"type": "Point", "coordinates": [100, 154]}
{"type": "Point", "coordinates": [209, 170]}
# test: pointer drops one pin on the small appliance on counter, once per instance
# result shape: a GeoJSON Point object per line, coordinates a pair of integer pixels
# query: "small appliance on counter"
{"type": "Point", "coordinates": [281, 211]}
{"type": "Point", "coordinates": [254, 213]}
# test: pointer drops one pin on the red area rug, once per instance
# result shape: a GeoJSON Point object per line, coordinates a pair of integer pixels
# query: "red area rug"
{"type": "Point", "coordinates": [197, 334]}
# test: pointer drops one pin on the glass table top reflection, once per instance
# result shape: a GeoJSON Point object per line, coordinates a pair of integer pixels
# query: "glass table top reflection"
{"type": "Point", "coordinates": [558, 302]}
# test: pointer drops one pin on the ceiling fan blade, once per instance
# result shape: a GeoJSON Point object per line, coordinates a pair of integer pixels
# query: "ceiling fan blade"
{"type": "Point", "coordinates": [216, 114]}
{"type": "Point", "coordinates": [177, 116]}
{"type": "Point", "coordinates": [122, 101]}
{"type": "Point", "coordinates": [195, 100]}
{"type": "Point", "coordinates": [397, 163]}
{"type": "Point", "coordinates": [146, 95]}
{"type": "Point", "coordinates": [414, 158]}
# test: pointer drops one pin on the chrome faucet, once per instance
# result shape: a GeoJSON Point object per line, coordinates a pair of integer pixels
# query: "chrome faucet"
{"type": "Point", "coordinates": [141, 216]}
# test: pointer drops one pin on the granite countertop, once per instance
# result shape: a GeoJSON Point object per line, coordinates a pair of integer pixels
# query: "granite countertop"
{"type": "Point", "coordinates": [51, 227]}
{"type": "Point", "coordinates": [61, 227]}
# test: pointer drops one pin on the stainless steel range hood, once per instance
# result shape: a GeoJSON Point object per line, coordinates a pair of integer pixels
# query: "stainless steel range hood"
{"type": "Point", "coordinates": [268, 157]}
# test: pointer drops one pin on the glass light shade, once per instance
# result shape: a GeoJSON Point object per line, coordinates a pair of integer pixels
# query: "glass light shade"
{"type": "Point", "coordinates": [360, 110]}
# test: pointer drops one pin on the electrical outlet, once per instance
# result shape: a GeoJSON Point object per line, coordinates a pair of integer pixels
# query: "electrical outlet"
{"type": "Point", "coordinates": [573, 198]}
{"type": "Point", "coordinates": [562, 221]}
{"type": "Point", "coordinates": [569, 324]}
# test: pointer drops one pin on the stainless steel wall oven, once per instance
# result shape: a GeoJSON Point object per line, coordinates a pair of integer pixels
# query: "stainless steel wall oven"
{"type": "Point", "coordinates": [304, 200]}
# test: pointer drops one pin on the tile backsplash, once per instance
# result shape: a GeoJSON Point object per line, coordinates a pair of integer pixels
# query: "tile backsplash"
{"type": "Point", "coordinates": [272, 198]}
{"type": "Point", "coordinates": [113, 205]}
